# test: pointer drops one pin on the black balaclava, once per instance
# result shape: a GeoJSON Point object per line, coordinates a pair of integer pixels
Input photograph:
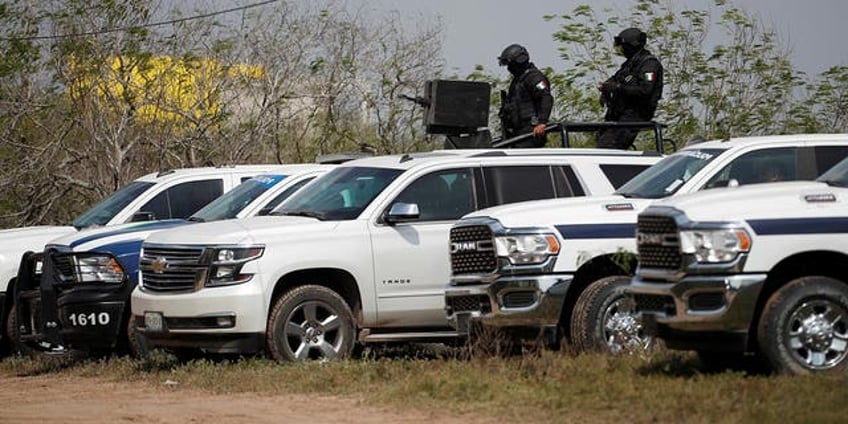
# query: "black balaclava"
{"type": "Point", "coordinates": [631, 41]}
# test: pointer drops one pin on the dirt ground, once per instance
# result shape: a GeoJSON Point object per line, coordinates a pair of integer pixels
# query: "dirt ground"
{"type": "Point", "coordinates": [63, 399]}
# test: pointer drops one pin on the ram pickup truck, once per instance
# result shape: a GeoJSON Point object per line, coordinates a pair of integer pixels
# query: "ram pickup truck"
{"type": "Point", "coordinates": [360, 257]}
{"type": "Point", "coordinates": [80, 298]}
{"type": "Point", "coordinates": [753, 274]}
{"type": "Point", "coordinates": [164, 195]}
{"type": "Point", "coordinates": [556, 270]}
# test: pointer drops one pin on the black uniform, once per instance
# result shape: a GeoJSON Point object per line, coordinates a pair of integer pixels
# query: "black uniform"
{"type": "Point", "coordinates": [527, 104]}
{"type": "Point", "coordinates": [631, 94]}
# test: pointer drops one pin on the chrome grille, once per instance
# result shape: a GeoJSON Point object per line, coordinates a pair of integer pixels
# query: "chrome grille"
{"type": "Point", "coordinates": [171, 269]}
{"type": "Point", "coordinates": [479, 259]}
{"type": "Point", "coordinates": [664, 255]}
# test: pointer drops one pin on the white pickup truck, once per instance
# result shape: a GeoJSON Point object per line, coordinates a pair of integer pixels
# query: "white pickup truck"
{"type": "Point", "coordinates": [164, 195]}
{"type": "Point", "coordinates": [755, 273]}
{"type": "Point", "coordinates": [362, 252]}
{"type": "Point", "coordinates": [558, 268]}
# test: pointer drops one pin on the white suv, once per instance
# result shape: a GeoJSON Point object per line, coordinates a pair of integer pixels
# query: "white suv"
{"type": "Point", "coordinates": [364, 249]}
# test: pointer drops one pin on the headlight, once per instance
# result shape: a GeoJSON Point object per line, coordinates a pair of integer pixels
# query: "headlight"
{"type": "Point", "coordinates": [98, 269]}
{"type": "Point", "coordinates": [227, 263]}
{"type": "Point", "coordinates": [527, 249]}
{"type": "Point", "coordinates": [714, 246]}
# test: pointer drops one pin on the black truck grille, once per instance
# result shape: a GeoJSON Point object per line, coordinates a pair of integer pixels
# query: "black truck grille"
{"type": "Point", "coordinates": [658, 242]}
{"type": "Point", "coordinates": [472, 250]}
{"type": "Point", "coordinates": [170, 269]}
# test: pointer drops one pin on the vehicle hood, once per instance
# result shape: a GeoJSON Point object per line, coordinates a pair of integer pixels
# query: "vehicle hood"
{"type": "Point", "coordinates": [14, 242]}
{"type": "Point", "coordinates": [571, 211]}
{"type": "Point", "coordinates": [773, 200]}
{"type": "Point", "coordinates": [115, 237]}
{"type": "Point", "coordinates": [240, 231]}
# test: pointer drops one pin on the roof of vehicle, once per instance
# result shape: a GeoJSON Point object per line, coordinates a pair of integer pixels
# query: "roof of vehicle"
{"type": "Point", "coordinates": [410, 160]}
{"type": "Point", "coordinates": [770, 139]}
{"type": "Point", "coordinates": [247, 170]}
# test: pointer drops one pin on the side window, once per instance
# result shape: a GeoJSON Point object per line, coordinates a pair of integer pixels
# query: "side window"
{"type": "Point", "coordinates": [182, 200]}
{"type": "Point", "coordinates": [759, 166]}
{"type": "Point", "coordinates": [159, 206]}
{"type": "Point", "coordinates": [566, 182]}
{"type": "Point", "coordinates": [440, 196]}
{"type": "Point", "coordinates": [510, 184]}
{"type": "Point", "coordinates": [827, 156]}
{"type": "Point", "coordinates": [188, 198]}
{"type": "Point", "coordinates": [284, 195]}
{"type": "Point", "coordinates": [618, 174]}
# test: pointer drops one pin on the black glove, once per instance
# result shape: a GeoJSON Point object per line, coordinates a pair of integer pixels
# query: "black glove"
{"type": "Point", "coordinates": [610, 86]}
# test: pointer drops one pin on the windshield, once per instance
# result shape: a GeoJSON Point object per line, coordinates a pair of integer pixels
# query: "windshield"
{"type": "Point", "coordinates": [104, 211]}
{"type": "Point", "coordinates": [231, 203]}
{"type": "Point", "coordinates": [836, 176]}
{"type": "Point", "coordinates": [341, 194]}
{"type": "Point", "coordinates": [668, 175]}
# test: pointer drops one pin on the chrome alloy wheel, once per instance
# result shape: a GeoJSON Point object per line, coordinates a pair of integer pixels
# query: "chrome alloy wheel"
{"type": "Point", "coordinates": [312, 332]}
{"type": "Point", "coordinates": [816, 334]}
{"type": "Point", "coordinates": [622, 329]}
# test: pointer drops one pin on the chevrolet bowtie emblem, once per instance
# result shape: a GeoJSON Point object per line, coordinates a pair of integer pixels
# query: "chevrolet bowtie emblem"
{"type": "Point", "coordinates": [159, 265]}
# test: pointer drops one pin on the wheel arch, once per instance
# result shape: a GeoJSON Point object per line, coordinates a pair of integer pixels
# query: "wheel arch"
{"type": "Point", "coordinates": [825, 263]}
{"type": "Point", "coordinates": [619, 263]}
{"type": "Point", "coordinates": [335, 279]}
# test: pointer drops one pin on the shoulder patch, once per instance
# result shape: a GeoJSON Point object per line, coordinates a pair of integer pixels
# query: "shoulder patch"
{"type": "Point", "coordinates": [542, 85]}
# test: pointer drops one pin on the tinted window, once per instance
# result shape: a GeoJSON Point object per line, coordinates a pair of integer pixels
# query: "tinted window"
{"type": "Point", "coordinates": [510, 184]}
{"type": "Point", "coordinates": [104, 211]}
{"type": "Point", "coordinates": [827, 156]}
{"type": "Point", "coordinates": [184, 199]}
{"type": "Point", "coordinates": [759, 166]}
{"type": "Point", "coordinates": [837, 175]}
{"type": "Point", "coordinates": [566, 182]}
{"type": "Point", "coordinates": [619, 174]}
{"type": "Point", "coordinates": [443, 195]}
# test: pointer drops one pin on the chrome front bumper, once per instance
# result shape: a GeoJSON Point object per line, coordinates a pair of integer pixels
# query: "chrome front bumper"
{"type": "Point", "coordinates": [515, 301]}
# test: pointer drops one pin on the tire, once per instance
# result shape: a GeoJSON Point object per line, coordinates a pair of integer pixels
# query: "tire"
{"type": "Point", "coordinates": [803, 328]}
{"type": "Point", "coordinates": [138, 344]}
{"type": "Point", "coordinates": [604, 319]}
{"type": "Point", "coordinates": [310, 323]}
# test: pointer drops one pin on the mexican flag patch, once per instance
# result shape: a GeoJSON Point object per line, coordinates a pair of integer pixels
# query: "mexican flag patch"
{"type": "Point", "coordinates": [649, 76]}
{"type": "Point", "coordinates": [542, 85]}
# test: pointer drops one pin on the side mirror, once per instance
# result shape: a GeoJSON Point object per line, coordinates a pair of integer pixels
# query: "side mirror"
{"type": "Point", "coordinates": [264, 212]}
{"type": "Point", "coordinates": [733, 183]}
{"type": "Point", "coordinates": [402, 212]}
{"type": "Point", "coordinates": [141, 216]}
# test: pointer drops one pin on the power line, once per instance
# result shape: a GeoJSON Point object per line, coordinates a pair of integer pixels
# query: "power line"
{"type": "Point", "coordinates": [152, 24]}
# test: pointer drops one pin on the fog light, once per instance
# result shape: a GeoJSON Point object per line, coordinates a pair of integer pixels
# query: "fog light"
{"type": "Point", "coordinates": [226, 322]}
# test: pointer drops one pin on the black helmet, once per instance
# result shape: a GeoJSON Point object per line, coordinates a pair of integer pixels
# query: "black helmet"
{"type": "Point", "coordinates": [633, 37]}
{"type": "Point", "coordinates": [514, 53]}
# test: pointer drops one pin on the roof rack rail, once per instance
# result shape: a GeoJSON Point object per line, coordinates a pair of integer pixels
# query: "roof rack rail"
{"type": "Point", "coordinates": [565, 127]}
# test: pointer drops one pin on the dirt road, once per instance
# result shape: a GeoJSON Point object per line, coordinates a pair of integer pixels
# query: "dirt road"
{"type": "Point", "coordinates": [64, 399]}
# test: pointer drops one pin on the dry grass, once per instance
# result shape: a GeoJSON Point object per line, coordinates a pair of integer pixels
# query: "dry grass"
{"type": "Point", "coordinates": [534, 387]}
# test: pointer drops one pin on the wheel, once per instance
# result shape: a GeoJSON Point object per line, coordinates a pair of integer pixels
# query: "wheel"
{"type": "Point", "coordinates": [804, 326]}
{"type": "Point", "coordinates": [604, 319]}
{"type": "Point", "coordinates": [14, 334]}
{"type": "Point", "coordinates": [139, 345]}
{"type": "Point", "coordinates": [310, 323]}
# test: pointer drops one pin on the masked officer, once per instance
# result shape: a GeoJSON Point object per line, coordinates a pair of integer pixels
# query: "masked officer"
{"type": "Point", "coordinates": [527, 106]}
{"type": "Point", "coordinates": [633, 92]}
